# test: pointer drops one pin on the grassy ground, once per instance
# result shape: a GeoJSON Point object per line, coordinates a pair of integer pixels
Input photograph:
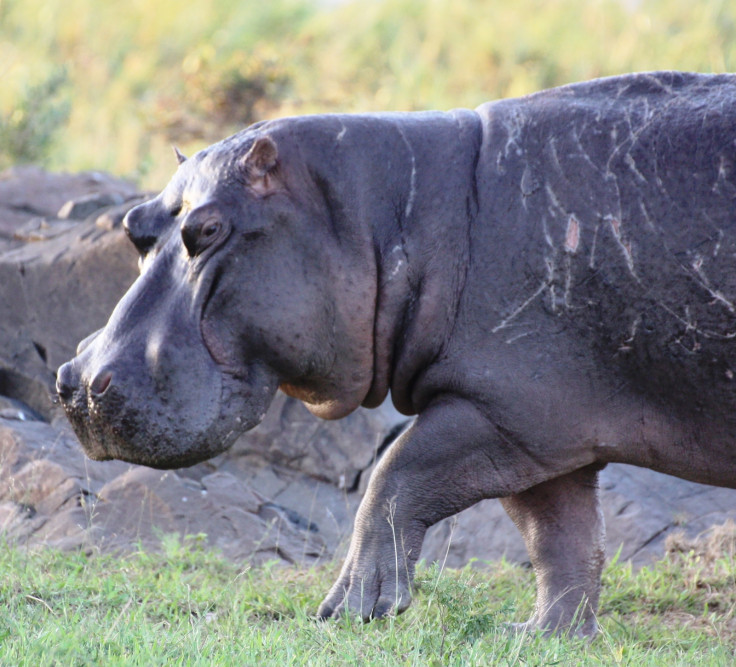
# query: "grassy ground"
{"type": "Point", "coordinates": [188, 606]}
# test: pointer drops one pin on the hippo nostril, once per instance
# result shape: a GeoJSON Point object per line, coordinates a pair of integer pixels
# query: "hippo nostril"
{"type": "Point", "coordinates": [101, 383]}
{"type": "Point", "coordinates": [66, 383]}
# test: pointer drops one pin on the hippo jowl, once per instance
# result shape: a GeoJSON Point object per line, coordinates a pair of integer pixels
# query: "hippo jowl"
{"type": "Point", "coordinates": [549, 283]}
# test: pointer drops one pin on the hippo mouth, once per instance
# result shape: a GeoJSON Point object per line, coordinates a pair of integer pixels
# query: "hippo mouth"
{"type": "Point", "coordinates": [111, 426]}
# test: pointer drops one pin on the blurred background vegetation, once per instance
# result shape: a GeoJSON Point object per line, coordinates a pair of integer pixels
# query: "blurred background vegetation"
{"type": "Point", "coordinates": [110, 85]}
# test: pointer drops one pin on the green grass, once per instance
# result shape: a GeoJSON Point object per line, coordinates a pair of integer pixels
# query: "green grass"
{"type": "Point", "coordinates": [188, 606]}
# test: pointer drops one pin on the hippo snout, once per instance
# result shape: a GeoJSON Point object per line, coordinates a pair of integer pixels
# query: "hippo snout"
{"type": "Point", "coordinates": [68, 382]}
{"type": "Point", "coordinates": [115, 398]}
{"type": "Point", "coordinates": [78, 397]}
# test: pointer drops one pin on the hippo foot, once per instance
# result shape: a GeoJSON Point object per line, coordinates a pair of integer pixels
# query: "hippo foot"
{"type": "Point", "coordinates": [562, 526]}
{"type": "Point", "coordinates": [370, 586]}
{"type": "Point", "coordinates": [587, 629]}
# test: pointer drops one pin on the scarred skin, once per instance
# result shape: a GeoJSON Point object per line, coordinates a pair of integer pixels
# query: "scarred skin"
{"type": "Point", "coordinates": [547, 282]}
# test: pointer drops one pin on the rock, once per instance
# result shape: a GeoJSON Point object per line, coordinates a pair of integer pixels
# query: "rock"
{"type": "Point", "coordinates": [41, 229]}
{"type": "Point", "coordinates": [334, 451]}
{"type": "Point", "coordinates": [82, 207]}
{"type": "Point", "coordinates": [483, 532]}
{"type": "Point", "coordinates": [13, 409]}
{"type": "Point", "coordinates": [288, 490]}
{"type": "Point", "coordinates": [55, 496]}
{"type": "Point", "coordinates": [319, 503]}
{"type": "Point", "coordinates": [30, 192]}
{"type": "Point", "coordinates": [242, 532]}
{"type": "Point", "coordinates": [641, 508]}
{"type": "Point", "coordinates": [112, 217]}
{"type": "Point", "coordinates": [55, 291]}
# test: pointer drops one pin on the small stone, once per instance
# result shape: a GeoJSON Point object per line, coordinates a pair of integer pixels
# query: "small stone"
{"type": "Point", "coordinates": [11, 413]}
{"type": "Point", "coordinates": [113, 217]}
{"type": "Point", "coordinates": [82, 207]}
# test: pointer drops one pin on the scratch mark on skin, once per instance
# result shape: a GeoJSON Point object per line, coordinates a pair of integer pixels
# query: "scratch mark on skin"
{"type": "Point", "coordinates": [634, 326]}
{"type": "Point", "coordinates": [555, 202]}
{"type": "Point", "coordinates": [591, 263]}
{"type": "Point", "coordinates": [703, 281]}
{"type": "Point", "coordinates": [658, 81]}
{"type": "Point", "coordinates": [572, 241]}
{"type": "Point", "coordinates": [647, 217]}
{"type": "Point", "coordinates": [550, 262]}
{"type": "Point", "coordinates": [571, 245]}
{"type": "Point", "coordinates": [413, 187]}
{"type": "Point", "coordinates": [722, 183]}
{"type": "Point", "coordinates": [507, 320]}
{"type": "Point", "coordinates": [513, 339]}
{"type": "Point", "coordinates": [529, 185]}
{"type": "Point", "coordinates": [547, 235]}
{"type": "Point", "coordinates": [632, 165]}
{"type": "Point", "coordinates": [718, 243]}
{"type": "Point", "coordinates": [613, 180]}
{"type": "Point", "coordinates": [572, 235]}
{"type": "Point", "coordinates": [582, 152]}
{"type": "Point", "coordinates": [632, 334]}
{"type": "Point", "coordinates": [568, 280]}
{"type": "Point", "coordinates": [342, 132]}
{"type": "Point", "coordinates": [412, 178]}
{"type": "Point", "coordinates": [513, 130]}
{"type": "Point", "coordinates": [552, 144]}
{"type": "Point", "coordinates": [555, 205]}
{"type": "Point", "coordinates": [623, 244]}
{"type": "Point", "coordinates": [396, 269]}
{"type": "Point", "coordinates": [647, 117]}
{"type": "Point", "coordinates": [690, 326]}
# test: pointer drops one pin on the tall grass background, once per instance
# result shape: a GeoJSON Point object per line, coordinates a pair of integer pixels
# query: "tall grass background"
{"type": "Point", "coordinates": [110, 85]}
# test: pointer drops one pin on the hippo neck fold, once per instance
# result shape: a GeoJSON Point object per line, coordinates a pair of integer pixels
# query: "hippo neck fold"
{"type": "Point", "coordinates": [423, 260]}
{"type": "Point", "coordinates": [412, 195]}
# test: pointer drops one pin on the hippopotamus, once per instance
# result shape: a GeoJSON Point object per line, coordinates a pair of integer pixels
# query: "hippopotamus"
{"type": "Point", "coordinates": [548, 283]}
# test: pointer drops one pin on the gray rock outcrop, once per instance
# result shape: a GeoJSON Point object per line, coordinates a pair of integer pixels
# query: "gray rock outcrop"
{"type": "Point", "coordinates": [287, 490]}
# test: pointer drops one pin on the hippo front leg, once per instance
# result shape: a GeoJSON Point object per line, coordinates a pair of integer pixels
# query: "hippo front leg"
{"type": "Point", "coordinates": [563, 528]}
{"type": "Point", "coordinates": [448, 460]}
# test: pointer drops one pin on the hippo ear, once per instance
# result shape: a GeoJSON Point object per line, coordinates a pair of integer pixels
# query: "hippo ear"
{"type": "Point", "coordinates": [259, 165]}
{"type": "Point", "coordinates": [180, 157]}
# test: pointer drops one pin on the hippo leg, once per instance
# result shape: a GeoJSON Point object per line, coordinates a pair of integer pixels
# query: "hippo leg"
{"type": "Point", "coordinates": [450, 458]}
{"type": "Point", "coordinates": [563, 528]}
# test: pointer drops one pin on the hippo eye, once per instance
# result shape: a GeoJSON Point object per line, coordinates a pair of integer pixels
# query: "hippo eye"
{"type": "Point", "coordinates": [211, 229]}
{"type": "Point", "coordinates": [198, 236]}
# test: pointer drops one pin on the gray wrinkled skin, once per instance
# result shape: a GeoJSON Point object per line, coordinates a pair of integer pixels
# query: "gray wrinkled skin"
{"type": "Point", "coordinates": [549, 283]}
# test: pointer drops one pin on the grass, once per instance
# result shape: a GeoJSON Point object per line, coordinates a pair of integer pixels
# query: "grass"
{"type": "Point", "coordinates": [188, 606]}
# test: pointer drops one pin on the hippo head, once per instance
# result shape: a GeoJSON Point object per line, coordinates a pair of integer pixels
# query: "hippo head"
{"type": "Point", "coordinates": [244, 288]}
